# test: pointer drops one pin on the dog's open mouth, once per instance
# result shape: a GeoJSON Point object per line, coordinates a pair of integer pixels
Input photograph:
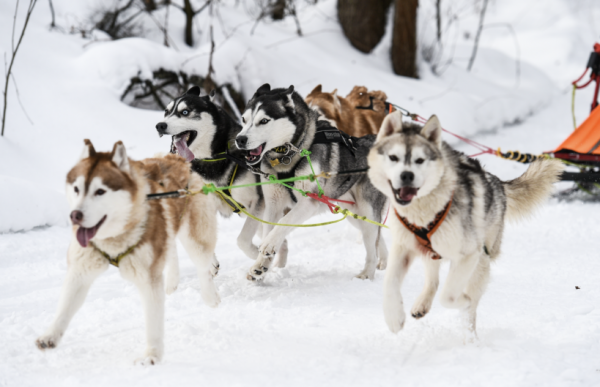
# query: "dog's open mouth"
{"type": "Point", "coordinates": [182, 142]}
{"type": "Point", "coordinates": [404, 195]}
{"type": "Point", "coordinates": [255, 154]}
{"type": "Point", "coordinates": [85, 234]}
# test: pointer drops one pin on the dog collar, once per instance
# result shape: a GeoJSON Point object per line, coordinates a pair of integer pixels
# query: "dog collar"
{"type": "Point", "coordinates": [116, 260]}
{"type": "Point", "coordinates": [288, 151]}
{"type": "Point", "coordinates": [423, 234]}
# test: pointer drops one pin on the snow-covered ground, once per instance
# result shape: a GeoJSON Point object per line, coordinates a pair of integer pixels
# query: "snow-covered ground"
{"type": "Point", "coordinates": [310, 323]}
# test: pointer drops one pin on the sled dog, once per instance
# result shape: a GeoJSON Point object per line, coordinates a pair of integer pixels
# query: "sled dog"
{"type": "Point", "coordinates": [204, 134]}
{"type": "Point", "coordinates": [445, 208]}
{"type": "Point", "coordinates": [360, 113]}
{"type": "Point", "coordinates": [113, 223]}
{"type": "Point", "coordinates": [277, 125]}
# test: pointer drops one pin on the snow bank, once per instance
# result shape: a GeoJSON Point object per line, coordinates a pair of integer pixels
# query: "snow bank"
{"type": "Point", "coordinates": [26, 205]}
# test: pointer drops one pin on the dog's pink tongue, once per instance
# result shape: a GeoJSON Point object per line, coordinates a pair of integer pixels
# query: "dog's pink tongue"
{"type": "Point", "coordinates": [183, 149]}
{"type": "Point", "coordinates": [85, 234]}
{"type": "Point", "coordinates": [407, 193]}
{"type": "Point", "coordinates": [257, 151]}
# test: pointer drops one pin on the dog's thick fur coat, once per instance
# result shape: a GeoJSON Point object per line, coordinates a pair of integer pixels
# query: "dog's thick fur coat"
{"type": "Point", "coordinates": [360, 113]}
{"type": "Point", "coordinates": [107, 196]}
{"type": "Point", "coordinates": [421, 174]}
{"type": "Point", "coordinates": [274, 118]}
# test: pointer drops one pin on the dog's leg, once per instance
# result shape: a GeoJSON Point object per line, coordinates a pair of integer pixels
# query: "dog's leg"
{"type": "Point", "coordinates": [382, 251]}
{"type": "Point", "coordinates": [453, 294]}
{"type": "Point", "coordinates": [300, 213]}
{"type": "Point", "coordinates": [475, 289]}
{"type": "Point", "coordinates": [432, 279]}
{"type": "Point", "coordinates": [393, 308]}
{"type": "Point", "coordinates": [75, 289]}
{"type": "Point", "coordinates": [172, 266]}
{"type": "Point", "coordinates": [244, 240]}
{"type": "Point", "coordinates": [200, 246]}
{"type": "Point", "coordinates": [214, 266]}
{"type": "Point", "coordinates": [282, 254]}
{"type": "Point", "coordinates": [153, 300]}
{"type": "Point", "coordinates": [369, 233]}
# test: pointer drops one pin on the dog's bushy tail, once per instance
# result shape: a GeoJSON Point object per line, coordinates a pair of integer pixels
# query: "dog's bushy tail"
{"type": "Point", "coordinates": [530, 190]}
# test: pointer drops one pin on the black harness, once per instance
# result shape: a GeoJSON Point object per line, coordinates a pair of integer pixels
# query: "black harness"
{"type": "Point", "coordinates": [388, 106]}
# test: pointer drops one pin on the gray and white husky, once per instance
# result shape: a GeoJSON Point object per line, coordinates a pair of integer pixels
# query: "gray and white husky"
{"type": "Point", "coordinates": [425, 179]}
{"type": "Point", "coordinates": [202, 132]}
{"type": "Point", "coordinates": [278, 119]}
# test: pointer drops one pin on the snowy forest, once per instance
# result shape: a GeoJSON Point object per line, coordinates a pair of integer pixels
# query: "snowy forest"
{"type": "Point", "coordinates": [495, 72]}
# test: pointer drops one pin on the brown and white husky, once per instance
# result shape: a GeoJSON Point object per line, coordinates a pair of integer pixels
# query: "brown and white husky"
{"type": "Point", "coordinates": [113, 222]}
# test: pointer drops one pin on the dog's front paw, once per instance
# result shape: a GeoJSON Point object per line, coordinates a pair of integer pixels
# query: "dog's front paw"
{"type": "Point", "coordinates": [259, 270]}
{"type": "Point", "coordinates": [47, 341]}
{"type": "Point", "coordinates": [366, 274]}
{"type": "Point", "coordinates": [214, 267]}
{"type": "Point", "coordinates": [421, 306]}
{"type": "Point", "coordinates": [145, 361]}
{"type": "Point", "coordinates": [394, 317]}
{"type": "Point", "coordinates": [209, 293]}
{"type": "Point", "coordinates": [382, 264]}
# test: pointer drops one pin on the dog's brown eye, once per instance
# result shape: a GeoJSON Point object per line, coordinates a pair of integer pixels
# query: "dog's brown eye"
{"type": "Point", "coordinates": [100, 192]}
{"type": "Point", "coordinates": [263, 121]}
{"type": "Point", "coordinates": [393, 158]}
{"type": "Point", "coordinates": [419, 161]}
{"type": "Point", "coordinates": [76, 190]}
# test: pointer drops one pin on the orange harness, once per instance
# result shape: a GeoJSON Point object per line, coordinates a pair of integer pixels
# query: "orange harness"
{"type": "Point", "coordinates": [423, 234]}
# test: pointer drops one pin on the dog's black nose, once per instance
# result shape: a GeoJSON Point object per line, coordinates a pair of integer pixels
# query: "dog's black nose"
{"type": "Point", "coordinates": [407, 177]}
{"type": "Point", "coordinates": [161, 127]}
{"type": "Point", "coordinates": [76, 217]}
{"type": "Point", "coordinates": [241, 142]}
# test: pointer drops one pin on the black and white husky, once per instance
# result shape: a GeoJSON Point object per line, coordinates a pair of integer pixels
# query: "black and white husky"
{"type": "Point", "coordinates": [277, 124]}
{"type": "Point", "coordinates": [445, 206]}
{"type": "Point", "coordinates": [202, 132]}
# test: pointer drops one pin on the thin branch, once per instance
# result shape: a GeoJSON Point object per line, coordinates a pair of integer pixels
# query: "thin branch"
{"type": "Point", "coordinates": [19, 99]}
{"type": "Point", "coordinates": [438, 18]}
{"type": "Point", "coordinates": [14, 54]}
{"type": "Point", "coordinates": [208, 2]}
{"type": "Point", "coordinates": [479, 29]}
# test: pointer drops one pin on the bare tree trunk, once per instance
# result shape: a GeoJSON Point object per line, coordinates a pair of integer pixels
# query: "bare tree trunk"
{"type": "Point", "coordinates": [189, 23]}
{"type": "Point", "coordinates": [278, 10]}
{"type": "Point", "coordinates": [363, 21]}
{"type": "Point", "coordinates": [404, 38]}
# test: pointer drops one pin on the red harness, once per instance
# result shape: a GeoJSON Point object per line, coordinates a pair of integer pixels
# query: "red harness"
{"type": "Point", "coordinates": [423, 234]}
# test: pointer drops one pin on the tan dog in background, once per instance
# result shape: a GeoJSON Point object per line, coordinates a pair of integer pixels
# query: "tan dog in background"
{"type": "Point", "coordinates": [360, 113]}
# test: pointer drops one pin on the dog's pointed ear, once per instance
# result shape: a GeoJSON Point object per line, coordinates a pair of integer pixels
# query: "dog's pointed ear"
{"type": "Point", "coordinates": [212, 95]}
{"type": "Point", "coordinates": [88, 150]}
{"type": "Point", "coordinates": [262, 90]}
{"type": "Point", "coordinates": [336, 101]}
{"type": "Point", "coordinates": [391, 124]}
{"type": "Point", "coordinates": [289, 92]}
{"type": "Point", "coordinates": [432, 130]}
{"type": "Point", "coordinates": [119, 157]}
{"type": "Point", "coordinates": [317, 89]}
{"type": "Point", "coordinates": [194, 90]}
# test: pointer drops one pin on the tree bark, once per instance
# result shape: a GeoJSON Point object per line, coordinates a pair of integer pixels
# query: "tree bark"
{"type": "Point", "coordinates": [189, 22]}
{"type": "Point", "coordinates": [404, 38]}
{"type": "Point", "coordinates": [363, 21]}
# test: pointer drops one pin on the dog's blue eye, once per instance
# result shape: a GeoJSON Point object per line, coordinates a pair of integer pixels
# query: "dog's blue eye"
{"type": "Point", "coordinates": [263, 121]}
{"type": "Point", "coordinates": [393, 158]}
{"type": "Point", "coordinates": [185, 112]}
{"type": "Point", "coordinates": [419, 161]}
